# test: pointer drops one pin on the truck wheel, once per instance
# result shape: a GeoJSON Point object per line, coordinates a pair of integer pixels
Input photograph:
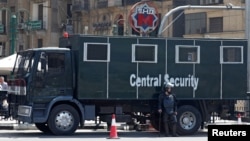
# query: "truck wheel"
{"type": "Point", "coordinates": [189, 120]}
{"type": "Point", "coordinates": [43, 127]}
{"type": "Point", "coordinates": [63, 120]}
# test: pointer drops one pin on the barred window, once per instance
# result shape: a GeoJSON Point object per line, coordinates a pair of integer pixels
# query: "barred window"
{"type": "Point", "coordinates": [96, 52]}
{"type": "Point", "coordinates": [187, 54]}
{"type": "Point", "coordinates": [231, 54]}
{"type": "Point", "coordinates": [145, 53]}
{"type": "Point", "coordinates": [216, 24]}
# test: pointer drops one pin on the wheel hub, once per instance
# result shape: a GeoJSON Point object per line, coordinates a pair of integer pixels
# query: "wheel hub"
{"type": "Point", "coordinates": [187, 120]}
{"type": "Point", "coordinates": [64, 120]}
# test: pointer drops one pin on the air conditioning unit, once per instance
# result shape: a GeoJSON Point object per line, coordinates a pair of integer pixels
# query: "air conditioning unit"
{"type": "Point", "coordinates": [213, 1]}
{"type": "Point", "coordinates": [112, 3]}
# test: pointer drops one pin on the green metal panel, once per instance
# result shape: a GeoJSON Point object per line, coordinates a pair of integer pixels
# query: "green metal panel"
{"type": "Point", "coordinates": [120, 68]}
{"type": "Point", "coordinates": [208, 70]}
{"type": "Point", "coordinates": [92, 76]}
{"type": "Point", "coordinates": [234, 76]}
{"type": "Point", "coordinates": [179, 71]}
{"type": "Point", "coordinates": [101, 80]}
{"type": "Point", "coordinates": [153, 70]}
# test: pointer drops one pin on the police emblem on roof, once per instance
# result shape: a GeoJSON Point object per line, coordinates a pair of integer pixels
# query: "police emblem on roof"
{"type": "Point", "coordinates": [143, 17]}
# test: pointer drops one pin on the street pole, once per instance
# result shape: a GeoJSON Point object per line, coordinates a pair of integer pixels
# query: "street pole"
{"type": "Point", "coordinates": [247, 30]}
{"type": "Point", "coordinates": [13, 33]}
{"type": "Point", "coordinates": [247, 36]}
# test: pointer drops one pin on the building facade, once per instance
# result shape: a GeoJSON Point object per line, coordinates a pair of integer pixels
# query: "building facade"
{"type": "Point", "coordinates": [41, 22]}
{"type": "Point", "coordinates": [37, 23]}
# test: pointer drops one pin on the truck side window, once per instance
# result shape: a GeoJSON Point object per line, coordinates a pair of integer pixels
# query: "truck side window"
{"type": "Point", "coordinates": [50, 64]}
{"type": "Point", "coordinates": [43, 63]}
{"type": "Point", "coordinates": [56, 62]}
{"type": "Point", "coordinates": [41, 70]}
{"type": "Point", "coordinates": [144, 53]}
{"type": "Point", "coordinates": [231, 55]}
{"type": "Point", "coordinates": [187, 54]}
{"type": "Point", "coordinates": [96, 52]}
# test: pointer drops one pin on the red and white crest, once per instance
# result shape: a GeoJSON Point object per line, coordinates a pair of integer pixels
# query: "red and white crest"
{"type": "Point", "coordinates": [143, 17]}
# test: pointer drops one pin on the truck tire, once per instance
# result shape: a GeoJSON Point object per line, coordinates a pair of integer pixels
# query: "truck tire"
{"type": "Point", "coordinates": [189, 120]}
{"type": "Point", "coordinates": [43, 127]}
{"type": "Point", "coordinates": [63, 120]}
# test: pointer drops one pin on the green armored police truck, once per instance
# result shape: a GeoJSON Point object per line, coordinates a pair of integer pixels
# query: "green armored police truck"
{"type": "Point", "coordinates": [92, 77]}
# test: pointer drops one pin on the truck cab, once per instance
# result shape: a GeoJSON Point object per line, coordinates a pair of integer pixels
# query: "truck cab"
{"type": "Point", "coordinates": [40, 78]}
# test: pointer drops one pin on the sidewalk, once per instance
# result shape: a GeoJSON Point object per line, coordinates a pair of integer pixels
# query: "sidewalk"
{"type": "Point", "coordinates": [227, 122]}
{"type": "Point", "coordinates": [10, 124]}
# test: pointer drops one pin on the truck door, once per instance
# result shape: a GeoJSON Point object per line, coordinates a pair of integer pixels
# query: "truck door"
{"type": "Point", "coordinates": [52, 76]}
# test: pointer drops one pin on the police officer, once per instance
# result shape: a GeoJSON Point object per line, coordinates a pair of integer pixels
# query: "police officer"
{"type": "Point", "coordinates": [3, 87]}
{"type": "Point", "coordinates": [3, 84]}
{"type": "Point", "coordinates": [168, 106]}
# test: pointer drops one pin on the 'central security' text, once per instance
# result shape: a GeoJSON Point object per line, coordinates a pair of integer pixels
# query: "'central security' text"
{"type": "Point", "coordinates": [149, 81]}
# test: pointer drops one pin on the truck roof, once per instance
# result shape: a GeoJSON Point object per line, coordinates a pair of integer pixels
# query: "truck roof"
{"type": "Point", "coordinates": [48, 48]}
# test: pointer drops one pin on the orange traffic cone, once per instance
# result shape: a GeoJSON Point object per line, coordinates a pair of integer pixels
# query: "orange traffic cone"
{"type": "Point", "coordinates": [239, 118]}
{"type": "Point", "coordinates": [113, 132]}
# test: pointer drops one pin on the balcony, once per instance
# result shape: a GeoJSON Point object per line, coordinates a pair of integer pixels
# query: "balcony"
{"type": "Point", "coordinates": [109, 3]}
{"type": "Point", "coordinates": [113, 3]}
{"type": "Point", "coordinates": [39, 1]}
{"type": "Point", "coordinates": [79, 6]}
{"type": "Point", "coordinates": [102, 4]}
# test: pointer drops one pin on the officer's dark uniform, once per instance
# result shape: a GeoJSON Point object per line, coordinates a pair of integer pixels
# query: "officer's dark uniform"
{"type": "Point", "coordinates": [168, 105]}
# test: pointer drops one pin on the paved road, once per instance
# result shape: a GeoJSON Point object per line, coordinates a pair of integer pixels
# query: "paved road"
{"type": "Point", "coordinates": [10, 130]}
{"type": "Point", "coordinates": [97, 135]}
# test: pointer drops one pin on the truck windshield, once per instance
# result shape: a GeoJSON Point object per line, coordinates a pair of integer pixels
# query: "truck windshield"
{"type": "Point", "coordinates": [23, 64]}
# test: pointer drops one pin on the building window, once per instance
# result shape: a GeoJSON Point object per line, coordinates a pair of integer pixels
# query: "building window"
{"type": "Point", "coordinates": [215, 24]}
{"type": "Point", "coordinates": [144, 53]}
{"type": "Point", "coordinates": [187, 54]}
{"type": "Point", "coordinates": [20, 48]}
{"type": "Point", "coordinates": [4, 21]}
{"type": "Point", "coordinates": [129, 2]}
{"type": "Point", "coordinates": [195, 23]}
{"type": "Point", "coordinates": [2, 49]}
{"type": "Point", "coordinates": [211, 2]}
{"type": "Point", "coordinates": [102, 3]}
{"type": "Point", "coordinates": [69, 12]}
{"type": "Point", "coordinates": [96, 52]}
{"type": "Point", "coordinates": [21, 17]}
{"type": "Point", "coordinates": [40, 43]}
{"type": "Point", "coordinates": [79, 5]}
{"type": "Point", "coordinates": [13, 9]}
{"type": "Point", "coordinates": [40, 14]}
{"type": "Point", "coordinates": [231, 54]}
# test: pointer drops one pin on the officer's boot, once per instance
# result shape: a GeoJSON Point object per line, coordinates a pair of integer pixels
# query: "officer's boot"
{"type": "Point", "coordinates": [174, 130]}
{"type": "Point", "coordinates": [166, 129]}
